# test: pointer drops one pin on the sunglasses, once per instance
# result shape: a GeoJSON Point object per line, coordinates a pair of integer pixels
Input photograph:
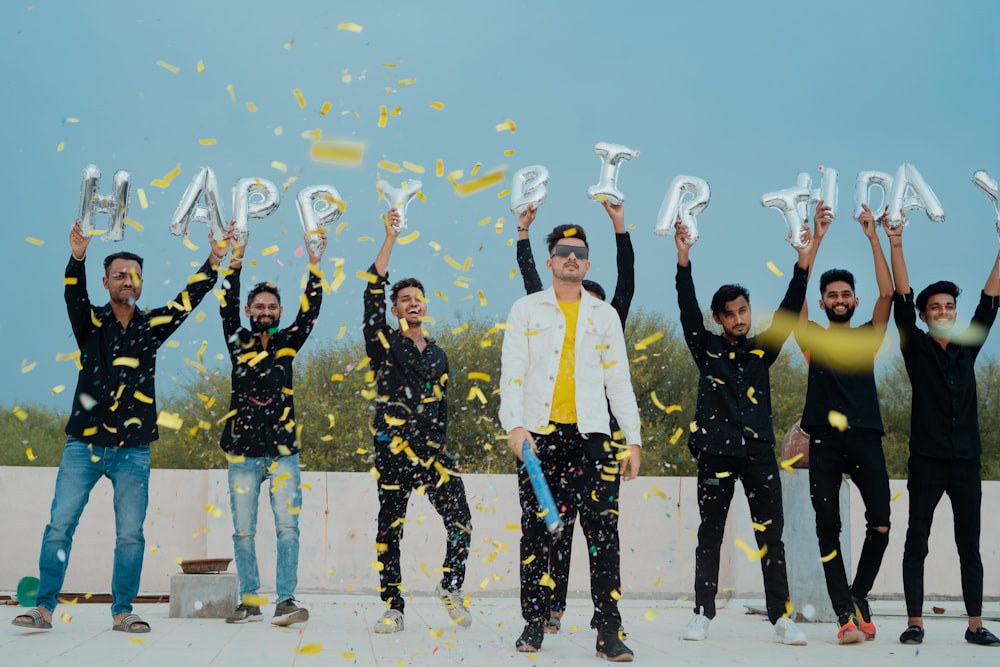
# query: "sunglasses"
{"type": "Point", "coordinates": [563, 250]}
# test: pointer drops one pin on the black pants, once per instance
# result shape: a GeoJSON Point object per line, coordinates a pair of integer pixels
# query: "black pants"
{"type": "Point", "coordinates": [399, 475]}
{"type": "Point", "coordinates": [858, 453]}
{"type": "Point", "coordinates": [559, 555]}
{"type": "Point", "coordinates": [717, 477]}
{"type": "Point", "coordinates": [929, 479]}
{"type": "Point", "coordinates": [583, 475]}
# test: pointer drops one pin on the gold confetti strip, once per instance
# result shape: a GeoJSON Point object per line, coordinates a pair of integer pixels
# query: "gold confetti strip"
{"type": "Point", "coordinates": [131, 362]}
{"type": "Point", "coordinates": [270, 250]}
{"type": "Point", "coordinates": [648, 340]}
{"type": "Point", "coordinates": [143, 202]}
{"type": "Point", "coordinates": [201, 66]}
{"type": "Point", "coordinates": [60, 147]}
{"type": "Point", "coordinates": [232, 92]}
{"type": "Point", "coordinates": [30, 454]}
{"type": "Point", "coordinates": [827, 558]}
{"type": "Point", "coordinates": [837, 420]}
{"type": "Point", "coordinates": [775, 270]}
{"type": "Point", "coordinates": [475, 169]}
{"type": "Point", "coordinates": [415, 168]}
{"type": "Point", "coordinates": [255, 600]}
{"type": "Point", "coordinates": [406, 82]}
{"type": "Point", "coordinates": [139, 396]}
{"type": "Point", "coordinates": [251, 107]}
{"type": "Point", "coordinates": [167, 420]}
{"type": "Point", "coordinates": [761, 527]}
{"type": "Point", "coordinates": [482, 298]}
{"type": "Point", "coordinates": [19, 413]}
{"type": "Point", "coordinates": [343, 152]}
{"type": "Point", "coordinates": [280, 166]}
{"type": "Point", "coordinates": [434, 245]}
{"type": "Point", "coordinates": [298, 97]}
{"type": "Point", "coordinates": [409, 238]}
{"type": "Point", "coordinates": [133, 224]}
{"type": "Point", "coordinates": [483, 182]}
{"type": "Point", "coordinates": [170, 176]}
{"type": "Point", "coordinates": [351, 27]}
{"type": "Point", "coordinates": [788, 463]}
{"type": "Point", "coordinates": [33, 241]}
{"type": "Point", "coordinates": [369, 277]}
{"type": "Point", "coordinates": [167, 66]}
{"type": "Point", "coordinates": [58, 389]}
{"type": "Point", "coordinates": [507, 125]}
{"type": "Point", "coordinates": [381, 116]}
{"type": "Point", "coordinates": [441, 294]}
{"type": "Point", "coordinates": [752, 554]}
{"type": "Point", "coordinates": [389, 166]}
{"type": "Point", "coordinates": [509, 152]}
{"type": "Point", "coordinates": [547, 580]}
{"type": "Point", "coordinates": [396, 111]}
{"type": "Point", "coordinates": [204, 142]}
{"type": "Point", "coordinates": [439, 170]}
{"type": "Point", "coordinates": [503, 193]}
{"type": "Point", "coordinates": [896, 496]}
{"type": "Point", "coordinates": [436, 105]}
{"type": "Point", "coordinates": [189, 244]}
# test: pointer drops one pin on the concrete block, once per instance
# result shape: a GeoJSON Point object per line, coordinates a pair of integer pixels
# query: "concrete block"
{"type": "Point", "coordinates": [203, 595]}
{"type": "Point", "coordinates": [806, 582]}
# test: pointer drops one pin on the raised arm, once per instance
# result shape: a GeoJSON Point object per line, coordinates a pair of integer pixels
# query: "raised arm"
{"type": "Point", "coordinates": [625, 287]}
{"type": "Point", "coordinates": [75, 285]}
{"type": "Point", "coordinates": [391, 234]}
{"type": "Point", "coordinates": [992, 287]}
{"type": "Point", "coordinates": [525, 258]}
{"type": "Point", "coordinates": [822, 219]}
{"type": "Point", "coordinates": [312, 297]}
{"type": "Point", "coordinates": [900, 276]}
{"type": "Point", "coordinates": [229, 303]}
{"type": "Point", "coordinates": [883, 277]}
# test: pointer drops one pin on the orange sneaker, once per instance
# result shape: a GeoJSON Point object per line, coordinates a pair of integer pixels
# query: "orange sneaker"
{"type": "Point", "coordinates": [864, 618]}
{"type": "Point", "coordinates": [849, 633]}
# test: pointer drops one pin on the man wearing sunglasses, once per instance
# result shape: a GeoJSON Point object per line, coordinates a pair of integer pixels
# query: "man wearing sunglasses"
{"type": "Point", "coordinates": [559, 557]}
{"type": "Point", "coordinates": [563, 363]}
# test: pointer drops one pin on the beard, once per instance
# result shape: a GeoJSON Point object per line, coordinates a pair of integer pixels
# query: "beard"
{"type": "Point", "coordinates": [257, 326]}
{"type": "Point", "coordinates": [839, 318]}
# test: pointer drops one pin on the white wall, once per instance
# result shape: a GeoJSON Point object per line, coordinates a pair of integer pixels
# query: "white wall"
{"type": "Point", "coordinates": [337, 523]}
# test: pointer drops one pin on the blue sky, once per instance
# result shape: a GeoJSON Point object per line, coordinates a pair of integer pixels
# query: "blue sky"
{"type": "Point", "coordinates": [742, 94]}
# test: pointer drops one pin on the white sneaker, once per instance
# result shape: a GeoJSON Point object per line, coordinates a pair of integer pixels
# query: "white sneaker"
{"type": "Point", "coordinates": [696, 629]}
{"type": "Point", "coordinates": [786, 632]}
{"type": "Point", "coordinates": [454, 603]}
{"type": "Point", "coordinates": [391, 621]}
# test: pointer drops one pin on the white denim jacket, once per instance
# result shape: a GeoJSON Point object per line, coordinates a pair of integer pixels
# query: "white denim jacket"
{"type": "Point", "coordinates": [529, 364]}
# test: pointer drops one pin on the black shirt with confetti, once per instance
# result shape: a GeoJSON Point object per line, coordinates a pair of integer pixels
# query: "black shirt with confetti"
{"type": "Point", "coordinates": [261, 418]}
{"type": "Point", "coordinates": [733, 414]}
{"type": "Point", "coordinates": [115, 400]}
{"type": "Point", "coordinates": [412, 395]}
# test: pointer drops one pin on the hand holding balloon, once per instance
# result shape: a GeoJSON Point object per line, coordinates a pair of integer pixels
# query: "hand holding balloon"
{"type": "Point", "coordinates": [527, 188]}
{"type": "Point", "coordinates": [78, 241]}
{"type": "Point", "coordinates": [399, 198]}
{"type": "Point", "coordinates": [612, 156]}
{"type": "Point", "coordinates": [678, 205]}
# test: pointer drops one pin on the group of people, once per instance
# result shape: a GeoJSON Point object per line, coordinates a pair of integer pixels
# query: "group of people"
{"type": "Point", "coordinates": [566, 392]}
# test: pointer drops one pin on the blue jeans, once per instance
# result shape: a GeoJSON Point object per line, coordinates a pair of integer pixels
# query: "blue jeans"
{"type": "Point", "coordinates": [81, 467]}
{"type": "Point", "coordinates": [245, 479]}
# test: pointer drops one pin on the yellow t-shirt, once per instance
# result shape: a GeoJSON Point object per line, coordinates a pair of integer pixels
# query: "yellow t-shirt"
{"type": "Point", "coordinates": [564, 396]}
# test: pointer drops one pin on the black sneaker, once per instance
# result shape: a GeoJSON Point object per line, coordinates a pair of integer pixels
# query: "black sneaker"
{"type": "Point", "coordinates": [531, 637]}
{"type": "Point", "coordinates": [913, 635]}
{"type": "Point", "coordinates": [245, 613]}
{"type": "Point", "coordinates": [611, 647]}
{"type": "Point", "coordinates": [982, 637]}
{"type": "Point", "coordinates": [287, 613]}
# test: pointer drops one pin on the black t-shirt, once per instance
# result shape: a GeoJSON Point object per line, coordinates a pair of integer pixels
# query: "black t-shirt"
{"type": "Point", "coordinates": [841, 376]}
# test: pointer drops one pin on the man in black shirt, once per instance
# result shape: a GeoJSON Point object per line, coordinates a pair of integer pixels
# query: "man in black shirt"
{"type": "Point", "coordinates": [113, 422]}
{"type": "Point", "coordinates": [945, 448]}
{"type": "Point", "coordinates": [559, 555]}
{"type": "Point", "coordinates": [260, 434]}
{"type": "Point", "coordinates": [410, 425]}
{"type": "Point", "coordinates": [844, 424]}
{"type": "Point", "coordinates": [732, 436]}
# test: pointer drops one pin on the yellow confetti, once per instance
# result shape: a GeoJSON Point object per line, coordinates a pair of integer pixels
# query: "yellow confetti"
{"type": "Point", "coordinates": [167, 66]}
{"type": "Point", "coordinates": [19, 413]}
{"type": "Point", "coordinates": [204, 142]}
{"type": "Point", "coordinates": [648, 340]}
{"type": "Point", "coordinates": [170, 176]}
{"type": "Point", "coordinates": [143, 202]}
{"type": "Point", "coordinates": [167, 420]}
{"type": "Point", "coordinates": [312, 649]}
{"type": "Point", "coordinates": [133, 224]}
{"type": "Point", "coordinates": [774, 269]}
{"type": "Point", "coordinates": [139, 396]}
{"type": "Point", "coordinates": [546, 580]}
{"type": "Point", "coordinates": [650, 614]}
{"type": "Point", "coordinates": [897, 496]}
{"type": "Point", "coordinates": [436, 105]}
{"type": "Point", "coordinates": [751, 553]}
{"type": "Point", "coordinates": [60, 147]}
{"type": "Point", "coordinates": [201, 66]}
{"type": "Point", "coordinates": [482, 298]}
{"type": "Point", "coordinates": [349, 655]}
{"type": "Point", "coordinates": [507, 125]}
{"type": "Point", "coordinates": [407, 82]}
{"type": "Point", "coordinates": [827, 558]}
{"type": "Point", "coordinates": [131, 362]}
{"type": "Point", "coordinates": [342, 152]}
{"type": "Point", "coordinates": [788, 464]}
{"type": "Point", "coordinates": [299, 98]}
{"type": "Point", "coordinates": [837, 420]}
{"type": "Point", "coordinates": [415, 168]}
{"type": "Point", "coordinates": [189, 245]}
{"type": "Point", "coordinates": [381, 116]}
{"type": "Point", "coordinates": [325, 109]}
{"type": "Point", "coordinates": [350, 27]}
{"type": "Point", "coordinates": [251, 107]}
{"type": "Point", "coordinates": [409, 238]}
{"type": "Point", "coordinates": [33, 241]}
{"type": "Point", "coordinates": [270, 250]}
{"type": "Point", "coordinates": [255, 600]}
{"type": "Point", "coordinates": [232, 92]}
{"type": "Point", "coordinates": [487, 180]}
{"type": "Point", "coordinates": [389, 166]}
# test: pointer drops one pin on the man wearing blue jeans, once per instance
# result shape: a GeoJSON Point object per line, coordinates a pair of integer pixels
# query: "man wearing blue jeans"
{"type": "Point", "coordinates": [113, 421]}
{"type": "Point", "coordinates": [259, 437]}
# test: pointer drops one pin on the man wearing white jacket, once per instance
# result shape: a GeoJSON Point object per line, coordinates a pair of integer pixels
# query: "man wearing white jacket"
{"type": "Point", "coordinates": [563, 363]}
